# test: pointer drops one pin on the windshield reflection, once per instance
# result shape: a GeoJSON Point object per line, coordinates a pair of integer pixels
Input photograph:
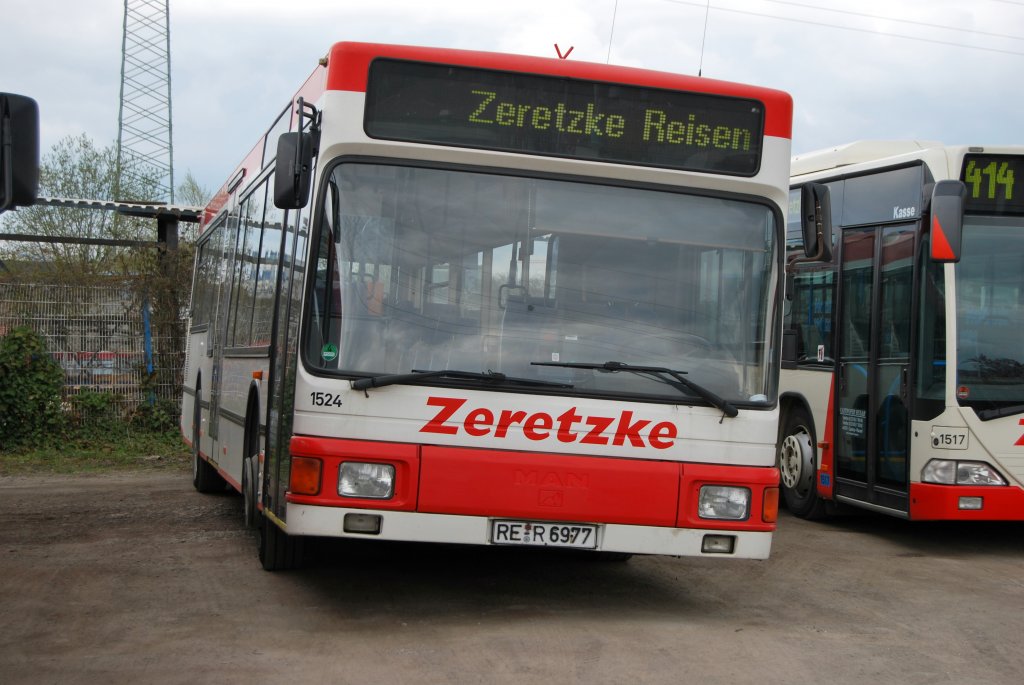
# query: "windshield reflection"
{"type": "Point", "coordinates": [990, 312]}
{"type": "Point", "coordinates": [437, 269]}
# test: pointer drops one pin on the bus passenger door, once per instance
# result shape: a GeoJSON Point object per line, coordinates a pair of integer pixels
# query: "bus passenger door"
{"type": "Point", "coordinates": [872, 401]}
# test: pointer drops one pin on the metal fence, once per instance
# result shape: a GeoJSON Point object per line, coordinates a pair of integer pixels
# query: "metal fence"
{"type": "Point", "coordinates": [101, 337]}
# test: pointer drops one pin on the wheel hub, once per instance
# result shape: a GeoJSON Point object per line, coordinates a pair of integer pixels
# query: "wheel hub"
{"type": "Point", "coordinates": [796, 465]}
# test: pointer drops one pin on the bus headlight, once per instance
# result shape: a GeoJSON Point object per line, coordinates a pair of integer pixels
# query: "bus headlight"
{"type": "Point", "coordinates": [723, 502]}
{"type": "Point", "coordinates": [366, 480]}
{"type": "Point", "coordinates": [950, 472]}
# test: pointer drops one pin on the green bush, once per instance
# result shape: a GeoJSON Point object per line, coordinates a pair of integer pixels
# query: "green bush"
{"type": "Point", "coordinates": [157, 416]}
{"type": "Point", "coordinates": [95, 414]}
{"type": "Point", "coordinates": [30, 391]}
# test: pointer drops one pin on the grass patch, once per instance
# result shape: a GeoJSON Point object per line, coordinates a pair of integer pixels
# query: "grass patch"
{"type": "Point", "coordinates": [123, 448]}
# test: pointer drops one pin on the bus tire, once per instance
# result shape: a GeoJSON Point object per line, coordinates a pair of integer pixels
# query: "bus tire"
{"type": "Point", "coordinates": [249, 479]}
{"type": "Point", "coordinates": [796, 460]}
{"type": "Point", "coordinates": [278, 550]}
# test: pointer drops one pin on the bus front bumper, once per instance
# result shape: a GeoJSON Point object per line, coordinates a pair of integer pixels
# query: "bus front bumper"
{"type": "Point", "coordinates": [304, 519]}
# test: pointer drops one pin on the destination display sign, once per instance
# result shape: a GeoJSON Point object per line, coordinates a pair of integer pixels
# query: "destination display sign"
{"type": "Point", "coordinates": [994, 183]}
{"type": "Point", "coordinates": [563, 117]}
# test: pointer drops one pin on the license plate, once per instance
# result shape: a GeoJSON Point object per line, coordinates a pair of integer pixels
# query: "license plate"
{"type": "Point", "coordinates": [576, 535]}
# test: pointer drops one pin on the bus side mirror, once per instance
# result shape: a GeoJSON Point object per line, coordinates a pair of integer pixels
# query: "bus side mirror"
{"type": "Point", "coordinates": [947, 222]}
{"type": "Point", "coordinates": [19, 151]}
{"type": "Point", "coordinates": [816, 222]}
{"type": "Point", "coordinates": [294, 170]}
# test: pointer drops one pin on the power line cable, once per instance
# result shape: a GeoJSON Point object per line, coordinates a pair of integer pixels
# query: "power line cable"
{"type": "Point", "coordinates": [894, 19]}
{"type": "Point", "coordinates": [849, 28]}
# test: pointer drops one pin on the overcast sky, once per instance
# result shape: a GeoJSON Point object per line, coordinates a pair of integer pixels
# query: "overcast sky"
{"type": "Point", "coordinates": [946, 70]}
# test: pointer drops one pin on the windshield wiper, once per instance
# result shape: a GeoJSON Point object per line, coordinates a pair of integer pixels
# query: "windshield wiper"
{"type": "Point", "coordinates": [419, 375]}
{"type": "Point", "coordinates": [989, 414]}
{"type": "Point", "coordinates": [668, 376]}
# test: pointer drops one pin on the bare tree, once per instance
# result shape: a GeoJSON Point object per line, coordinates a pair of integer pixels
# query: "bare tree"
{"type": "Point", "coordinates": [75, 168]}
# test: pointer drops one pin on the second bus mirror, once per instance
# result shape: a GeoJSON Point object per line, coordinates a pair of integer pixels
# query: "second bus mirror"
{"type": "Point", "coordinates": [947, 222]}
{"type": "Point", "coordinates": [294, 170]}
{"type": "Point", "coordinates": [19, 151]}
{"type": "Point", "coordinates": [816, 222]}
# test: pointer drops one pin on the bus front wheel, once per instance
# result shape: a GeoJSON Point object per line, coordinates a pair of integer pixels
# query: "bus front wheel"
{"type": "Point", "coordinates": [797, 466]}
{"type": "Point", "coordinates": [279, 551]}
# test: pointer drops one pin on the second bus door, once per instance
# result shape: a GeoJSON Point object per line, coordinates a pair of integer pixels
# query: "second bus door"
{"type": "Point", "coordinates": [872, 401]}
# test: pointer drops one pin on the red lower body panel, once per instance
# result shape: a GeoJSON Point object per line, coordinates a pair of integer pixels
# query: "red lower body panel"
{"type": "Point", "coordinates": [537, 486]}
{"type": "Point", "coordinates": [548, 486]}
{"type": "Point", "coordinates": [942, 502]}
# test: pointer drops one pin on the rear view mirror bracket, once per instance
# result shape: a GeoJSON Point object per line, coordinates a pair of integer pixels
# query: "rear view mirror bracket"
{"type": "Point", "coordinates": [295, 153]}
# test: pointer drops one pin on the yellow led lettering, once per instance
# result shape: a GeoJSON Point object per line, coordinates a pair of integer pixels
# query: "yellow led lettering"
{"type": "Point", "coordinates": [592, 120]}
{"type": "Point", "coordinates": [616, 126]}
{"type": "Point", "coordinates": [489, 97]}
{"type": "Point", "coordinates": [521, 114]}
{"type": "Point", "coordinates": [506, 115]}
{"type": "Point", "coordinates": [703, 135]}
{"type": "Point", "coordinates": [741, 139]}
{"type": "Point", "coordinates": [676, 132]}
{"type": "Point", "coordinates": [657, 125]}
{"type": "Point", "coordinates": [658, 128]}
{"type": "Point", "coordinates": [723, 137]}
{"type": "Point", "coordinates": [575, 116]}
{"type": "Point", "coordinates": [654, 125]}
{"type": "Point", "coordinates": [541, 118]}
{"type": "Point", "coordinates": [561, 118]}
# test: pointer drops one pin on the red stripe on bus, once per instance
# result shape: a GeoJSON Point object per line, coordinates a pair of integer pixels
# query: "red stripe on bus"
{"type": "Point", "coordinates": [349, 63]}
{"type": "Point", "coordinates": [826, 485]}
{"type": "Point", "coordinates": [930, 502]}
{"type": "Point", "coordinates": [552, 487]}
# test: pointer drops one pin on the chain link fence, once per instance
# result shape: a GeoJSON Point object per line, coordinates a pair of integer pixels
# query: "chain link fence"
{"type": "Point", "coordinates": [103, 338]}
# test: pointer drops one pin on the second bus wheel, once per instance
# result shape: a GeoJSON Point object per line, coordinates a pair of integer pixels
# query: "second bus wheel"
{"type": "Point", "coordinates": [796, 458]}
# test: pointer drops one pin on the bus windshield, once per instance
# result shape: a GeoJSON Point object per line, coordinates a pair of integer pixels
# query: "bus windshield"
{"type": "Point", "coordinates": [432, 269]}
{"type": "Point", "coordinates": [990, 313]}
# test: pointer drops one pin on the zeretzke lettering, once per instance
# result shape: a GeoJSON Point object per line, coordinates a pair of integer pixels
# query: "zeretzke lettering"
{"type": "Point", "coordinates": [453, 417]}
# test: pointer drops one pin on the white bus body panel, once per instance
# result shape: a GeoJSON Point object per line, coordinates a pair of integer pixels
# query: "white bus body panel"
{"type": "Point", "coordinates": [475, 530]}
{"type": "Point", "coordinates": [398, 413]}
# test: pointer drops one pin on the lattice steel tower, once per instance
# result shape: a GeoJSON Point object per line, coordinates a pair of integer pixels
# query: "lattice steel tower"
{"type": "Point", "coordinates": [144, 118]}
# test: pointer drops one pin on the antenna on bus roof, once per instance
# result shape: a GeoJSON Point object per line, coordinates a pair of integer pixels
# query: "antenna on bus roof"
{"type": "Point", "coordinates": [611, 34]}
{"type": "Point", "coordinates": [567, 52]}
{"type": "Point", "coordinates": [703, 38]}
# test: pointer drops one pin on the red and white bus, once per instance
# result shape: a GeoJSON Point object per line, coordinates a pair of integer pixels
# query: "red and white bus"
{"type": "Point", "coordinates": [479, 298]}
{"type": "Point", "coordinates": [903, 391]}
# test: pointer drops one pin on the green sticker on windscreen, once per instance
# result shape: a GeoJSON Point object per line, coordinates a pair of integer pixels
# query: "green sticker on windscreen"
{"type": "Point", "coordinates": [329, 352]}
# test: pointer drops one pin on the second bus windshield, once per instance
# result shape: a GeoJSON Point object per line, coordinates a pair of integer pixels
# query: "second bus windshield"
{"type": "Point", "coordinates": [432, 269]}
{"type": "Point", "coordinates": [990, 309]}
